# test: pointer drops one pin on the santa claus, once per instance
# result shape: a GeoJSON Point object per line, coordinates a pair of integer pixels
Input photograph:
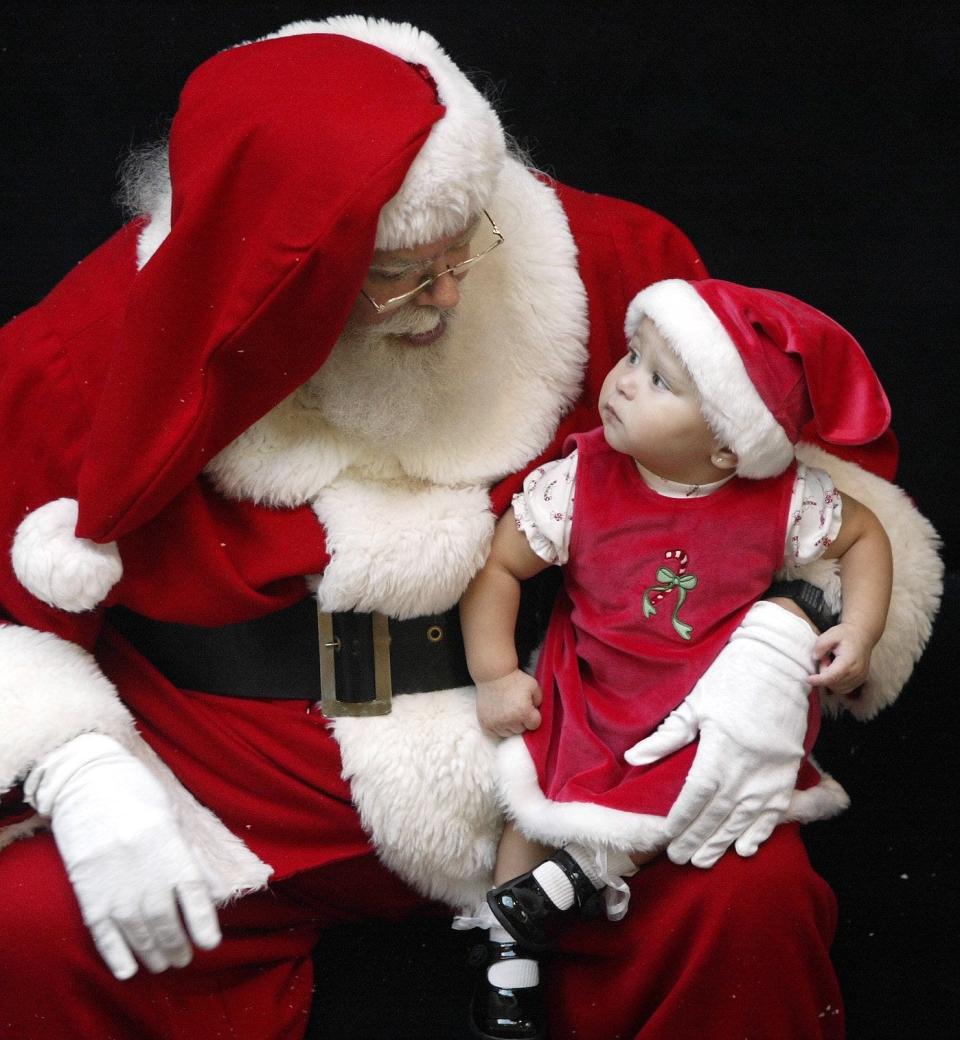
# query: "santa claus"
{"type": "Point", "coordinates": [257, 443]}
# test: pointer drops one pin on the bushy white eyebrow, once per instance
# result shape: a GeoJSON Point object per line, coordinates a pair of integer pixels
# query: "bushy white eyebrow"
{"type": "Point", "coordinates": [400, 266]}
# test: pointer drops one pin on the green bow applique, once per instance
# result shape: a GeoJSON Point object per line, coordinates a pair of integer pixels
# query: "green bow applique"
{"type": "Point", "coordinates": [669, 581]}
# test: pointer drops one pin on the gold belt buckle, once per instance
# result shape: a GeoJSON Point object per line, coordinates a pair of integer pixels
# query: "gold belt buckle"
{"type": "Point", "coordinates": [329, 647]}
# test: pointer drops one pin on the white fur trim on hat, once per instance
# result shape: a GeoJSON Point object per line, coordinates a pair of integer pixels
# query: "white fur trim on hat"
{"type": "Point", "coordinates": [52, 690]}
{"type": "Point", "coordinates": [62, 570]}
{"type": "Point", "coordinates": [731, 405]}
{"type": "Point", "coordinates": [454, 175]}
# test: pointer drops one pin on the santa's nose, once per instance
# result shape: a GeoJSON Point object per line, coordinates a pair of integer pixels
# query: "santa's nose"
{"type": "Point", "coordinates": [444, 292]}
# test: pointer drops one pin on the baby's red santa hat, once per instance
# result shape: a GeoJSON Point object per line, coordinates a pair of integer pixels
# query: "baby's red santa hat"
{"type": "Point", "coordinates": [765, 364]}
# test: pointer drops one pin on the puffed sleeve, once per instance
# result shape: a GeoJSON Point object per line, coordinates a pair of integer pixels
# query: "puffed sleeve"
{"type": "Point", "coordinates": [544, 509]}
{"type": "Point", "coordinates": [816, 513]}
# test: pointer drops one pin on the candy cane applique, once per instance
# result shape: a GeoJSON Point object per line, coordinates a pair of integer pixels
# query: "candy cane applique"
{"type": "Point", "coordinates": [669, 581]}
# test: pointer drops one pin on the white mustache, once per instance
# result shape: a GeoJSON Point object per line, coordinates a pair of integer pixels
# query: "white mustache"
{"type": "Point", "coordinates": [412, 321]}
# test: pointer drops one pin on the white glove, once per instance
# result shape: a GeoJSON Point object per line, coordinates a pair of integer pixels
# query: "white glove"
{"type": "Point", "coordinates": [750, 708]}
{"type": "Point", "coordinates": [129, 866]}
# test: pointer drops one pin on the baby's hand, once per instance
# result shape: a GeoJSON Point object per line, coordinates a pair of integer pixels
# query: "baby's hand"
{"type": "Point", "coordinates": [509, 704]}
{"type": "Point", "coordinates": [850, 650]}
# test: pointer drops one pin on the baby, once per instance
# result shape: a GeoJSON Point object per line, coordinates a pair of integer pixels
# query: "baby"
{"type": "Point", "coordinates": [670, 522]}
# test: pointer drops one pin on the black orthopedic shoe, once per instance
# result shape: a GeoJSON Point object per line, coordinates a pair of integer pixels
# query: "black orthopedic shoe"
{"type": "Point", "coordinates": [523, 908]}
{"type": "Point", "coordinates": [498, 1013]}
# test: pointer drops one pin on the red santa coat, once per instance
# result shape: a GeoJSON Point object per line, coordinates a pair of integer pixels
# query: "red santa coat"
{"type": "Point", "coordinates": [206, 558]}
{"type": "Point", "coordinates": [132, 388]}
{"type": "Point", "coordinates": [626, 645]}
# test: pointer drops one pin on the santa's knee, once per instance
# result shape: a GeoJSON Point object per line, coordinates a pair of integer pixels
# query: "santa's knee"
{"type": "Point", "coordinates": [737, 949]}
{"type": "Point", "coordinates": [42, 933]}
{"type": "Point", "coordinates": [768, 899]}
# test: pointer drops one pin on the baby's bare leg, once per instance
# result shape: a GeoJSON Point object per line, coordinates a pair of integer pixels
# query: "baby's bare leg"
{"type": "Point", "coordinates": [517, 854]}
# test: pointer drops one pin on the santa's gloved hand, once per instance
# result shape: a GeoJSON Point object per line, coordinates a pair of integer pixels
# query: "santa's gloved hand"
{"type": "Point", "coordinates": [750, 709]}
{"type": "Point", "coordinates": [137, 882]}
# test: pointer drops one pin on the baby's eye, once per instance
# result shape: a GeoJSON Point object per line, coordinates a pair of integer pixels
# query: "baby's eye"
{"type": "Point", "coordinates": [658, 380]}
{"type": "Point", "coordinates": [633, 358]}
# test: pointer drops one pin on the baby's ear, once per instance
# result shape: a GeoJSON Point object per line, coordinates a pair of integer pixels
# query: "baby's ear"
{"type": "Point", "coordinates": [724, 458]}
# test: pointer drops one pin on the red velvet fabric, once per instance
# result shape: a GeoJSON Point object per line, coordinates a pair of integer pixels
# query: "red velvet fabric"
{"type": "Point", "coordinates": [610, 674]}
{"type": "Point", "coordinates": [741, 950]}
{"type": "Point", "coordinates": [256, 985]}
{"type": "Point", "coordinates": [737, 951]}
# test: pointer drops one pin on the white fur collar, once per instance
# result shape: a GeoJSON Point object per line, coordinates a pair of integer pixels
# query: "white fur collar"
{"type": "Point", "coordinates": [400, 549]}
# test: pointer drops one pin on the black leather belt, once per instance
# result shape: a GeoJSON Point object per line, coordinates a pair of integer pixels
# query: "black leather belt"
{"type": "Point", "coordinates": [352, 663]}
{"type": "Point", "coordinates": [300, 653]}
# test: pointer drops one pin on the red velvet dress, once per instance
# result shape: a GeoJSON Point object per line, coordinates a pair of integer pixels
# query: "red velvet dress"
{"type": "Point", "coordinates": [653, 589]}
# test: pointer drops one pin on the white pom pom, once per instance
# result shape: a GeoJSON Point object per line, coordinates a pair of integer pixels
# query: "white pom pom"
{"type": "Point", "coordinates": [64, 571]}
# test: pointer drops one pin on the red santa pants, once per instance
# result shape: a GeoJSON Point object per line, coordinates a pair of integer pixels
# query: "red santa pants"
{"type": "Point", "coordinates": [738, 951]}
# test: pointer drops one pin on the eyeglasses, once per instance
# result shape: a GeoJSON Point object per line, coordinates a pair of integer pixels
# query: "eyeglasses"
{"type": "Point", "coordinates": [457, 270]}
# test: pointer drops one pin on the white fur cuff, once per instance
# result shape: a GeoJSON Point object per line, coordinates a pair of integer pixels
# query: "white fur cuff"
{"type": "Point", "coordinates": [917, 581]}
{"type": "Point", "coordinates": [50, 691]}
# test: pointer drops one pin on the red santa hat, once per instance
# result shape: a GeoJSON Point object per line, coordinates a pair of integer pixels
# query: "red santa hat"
{"type": "Point", "coordinates": [291, 159]}
{"type": "Point", "coordinates": [455, 172]}
{"type": "Point", "coordinates": [765, 364]}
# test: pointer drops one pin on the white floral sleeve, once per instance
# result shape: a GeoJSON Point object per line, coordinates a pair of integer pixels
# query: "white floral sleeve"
{"type": "Point", "coordinates": [544, 509]}
{"type": "Point", "coordinates": [815, 516]}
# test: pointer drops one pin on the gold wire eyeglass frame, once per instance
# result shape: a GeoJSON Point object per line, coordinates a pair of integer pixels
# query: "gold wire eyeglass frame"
{"type": "Point", "coordinates": [455, 269]}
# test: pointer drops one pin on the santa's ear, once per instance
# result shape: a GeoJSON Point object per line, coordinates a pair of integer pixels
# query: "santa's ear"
{"type": "Point", "coordinates": [724, 458]}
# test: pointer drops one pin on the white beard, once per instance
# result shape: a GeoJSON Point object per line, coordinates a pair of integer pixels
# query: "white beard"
{"type": "Point", "coordinates": [382, 390]}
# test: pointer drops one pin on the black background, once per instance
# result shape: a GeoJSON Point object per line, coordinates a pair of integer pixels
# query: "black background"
{"type": "Point", "coordinates": [804, 147]}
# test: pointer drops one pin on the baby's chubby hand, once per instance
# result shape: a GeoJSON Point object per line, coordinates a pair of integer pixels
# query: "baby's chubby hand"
{"type": "Point", "coordinates": [850, 651]}
{"type": "Point", "coordinates": [510, 704]}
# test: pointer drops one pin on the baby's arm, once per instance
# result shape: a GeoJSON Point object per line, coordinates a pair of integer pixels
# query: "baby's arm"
{"type": "Point", "coordinates": [866, 573]}
{"type": "Point", "coordinates": [507, 698]}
